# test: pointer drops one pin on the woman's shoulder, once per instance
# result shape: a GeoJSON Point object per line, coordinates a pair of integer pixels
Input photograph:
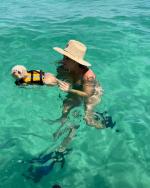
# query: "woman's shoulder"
{"type": "Point", "coordinates": [89, 75]}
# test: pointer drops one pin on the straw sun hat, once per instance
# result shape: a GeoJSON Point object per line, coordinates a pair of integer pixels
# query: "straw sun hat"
{"type": "Point", "coordinates": [75, 50]}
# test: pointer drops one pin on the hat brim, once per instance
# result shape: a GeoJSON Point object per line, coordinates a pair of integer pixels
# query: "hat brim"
{"type": "Point", "coordinates": [80, 61]}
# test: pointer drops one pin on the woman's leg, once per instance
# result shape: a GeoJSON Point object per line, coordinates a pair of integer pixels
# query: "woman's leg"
{"type": "Point", "coordinates": [66, 141]}
{"type": "Point", "coordinates": [68, 104]}
{"type": "Point", "coordinates": [90, 103]}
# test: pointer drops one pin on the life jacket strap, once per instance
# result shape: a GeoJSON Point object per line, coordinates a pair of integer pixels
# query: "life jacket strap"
{"type": "Point", "coordinates": [41, 74]}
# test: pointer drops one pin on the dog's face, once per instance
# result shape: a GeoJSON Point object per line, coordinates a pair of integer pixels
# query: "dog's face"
{"type": "Point", "coordinates": [18, 71]}
{"type": "Point", "coordinates": [17, 74]}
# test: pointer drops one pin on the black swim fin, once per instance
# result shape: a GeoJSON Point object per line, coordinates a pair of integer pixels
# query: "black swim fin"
{"type": "Point", "coordinates": [105, 119]}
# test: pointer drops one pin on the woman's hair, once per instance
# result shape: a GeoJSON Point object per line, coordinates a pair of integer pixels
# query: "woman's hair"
{"type": "Point", "coordinates": [83, 67]}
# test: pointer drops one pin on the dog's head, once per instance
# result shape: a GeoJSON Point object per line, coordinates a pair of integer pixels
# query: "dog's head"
{"type": "Point", "coordinates": [19, 71]}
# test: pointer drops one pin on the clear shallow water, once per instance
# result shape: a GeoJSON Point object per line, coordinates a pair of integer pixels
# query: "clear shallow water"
{"type": "Point", "coordinates": [117, 34]}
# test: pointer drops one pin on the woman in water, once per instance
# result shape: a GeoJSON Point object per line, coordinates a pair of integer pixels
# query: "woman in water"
{"type": "Point", "coordinates": [79, 82]}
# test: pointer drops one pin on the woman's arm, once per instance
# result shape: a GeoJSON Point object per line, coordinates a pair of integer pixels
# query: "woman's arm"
{"type": "Point", "coordinates": [64, 86]}
{"type": "Point", "coordinates": [89, 86]}
{"type": "Point", "coordinates": [78, 92]}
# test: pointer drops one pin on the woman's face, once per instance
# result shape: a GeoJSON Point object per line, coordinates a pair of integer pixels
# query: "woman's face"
{"type": "Point", "coordinates": [69, 64]}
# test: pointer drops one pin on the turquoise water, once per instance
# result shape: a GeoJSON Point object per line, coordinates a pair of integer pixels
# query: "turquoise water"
{"type": "Point", "coordinates": [117, 34]}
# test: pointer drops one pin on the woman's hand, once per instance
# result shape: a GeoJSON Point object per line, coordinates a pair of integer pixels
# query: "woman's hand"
{"type": "Point", "coordinates": [64, 86]}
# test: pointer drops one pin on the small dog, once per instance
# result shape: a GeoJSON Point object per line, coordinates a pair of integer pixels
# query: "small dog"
{"type": "Point", "coordinates": [25, 77]}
